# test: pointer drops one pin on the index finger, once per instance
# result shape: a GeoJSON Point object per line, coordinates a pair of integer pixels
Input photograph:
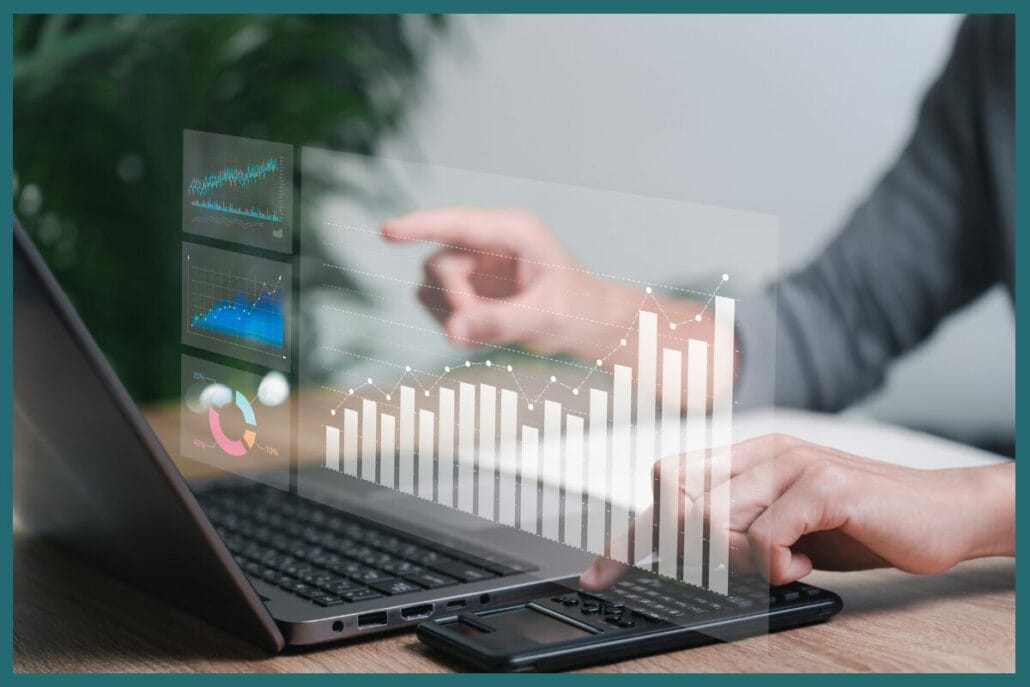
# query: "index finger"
{"type": "Point", "coordinates": [455, 227]}
{"type": "Point", "coordinates": [606, 571]}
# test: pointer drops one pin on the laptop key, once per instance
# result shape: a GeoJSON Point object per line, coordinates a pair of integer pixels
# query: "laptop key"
{"type": "Point", "coordinates": [305, 590]}
{"type": "Point", "coordinates": [401, 568]}
{"type": "Point", "coordinates": [429, 580]}
{"type": "Point", "coordinates": [460, 570]}
{"type": "Point", "coordinates": [363, 594]}
{"type": "Point", "coordinates": [395, 586]}
{"type": "Point", "coordinates": [340, 586]}
{"type": "Point", "coordinates": [371, 576]}
{"type": "Point", "coordinates": [323, 599]}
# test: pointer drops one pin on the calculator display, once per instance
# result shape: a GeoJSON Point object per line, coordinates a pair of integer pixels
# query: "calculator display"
{"type": "Point", "coordinates": [529, 623]}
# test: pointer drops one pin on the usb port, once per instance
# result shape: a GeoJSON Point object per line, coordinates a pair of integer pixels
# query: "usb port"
{"type": "Point", "coordinates": [413, 612]}
{"type": "Point", "coordinates": [457, 603]}
{"type": "Point", "coordinates": [371, 620]}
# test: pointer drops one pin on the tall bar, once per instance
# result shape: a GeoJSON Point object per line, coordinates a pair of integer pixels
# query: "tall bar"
{"type": "Point", "coordinates": [486, 504]}
{"type": "Point", "coordinates": [622, 449]}
{"type": "Point", "coordinates": [369, 416]}
{"type": "Point", "coordinates": [466, 446]}
{"type": "Point", "coordinates": [722, 438]}
{"type": "Point", "coordinates": [387, 452]}
{"type": "Point", "coordinates": [507, 457]}
{"type": "Point", "coordinates": [350, 442]}
{"type": "Point", "coordinates": [692, 468]}
{"type": "Point", "coordinates": [574, 476]}
{"type": "Point", "coordinates": [644, 458]}
{"type": "Point", "coordinates": [668, 487]}
{"type": "Point", "coordinates": [528, 470]}
{"type": "Point", "coordinates": [599, 486]}
{"type": "Point", "coordinates": [445, 451]}
{"type": "Point", "coordinates": [550, 506]}
{"type": "Point", "coordinates": [406, 441]}
{"type": "Point", "coordinates": [332, 448]}
{"type": "Point", "coordinates": [424, 486]}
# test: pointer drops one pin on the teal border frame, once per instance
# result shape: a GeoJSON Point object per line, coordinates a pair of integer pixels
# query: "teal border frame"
{"type": "Point", "coordinates": [1022, 197]}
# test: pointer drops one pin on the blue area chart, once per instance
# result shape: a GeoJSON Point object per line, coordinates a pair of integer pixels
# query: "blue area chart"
{"type": "Point", "coordinates": [260, 321]}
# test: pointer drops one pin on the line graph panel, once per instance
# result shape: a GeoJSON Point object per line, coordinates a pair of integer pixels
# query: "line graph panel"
{"type": "Point", "coordinates": [236, 304]}
{"type": "Point", "coordinates": [238, 189]}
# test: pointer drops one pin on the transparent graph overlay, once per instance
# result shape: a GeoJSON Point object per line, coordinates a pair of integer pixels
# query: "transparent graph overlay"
{"type": "Point", "coordinates": [237, 305]}
{"type": "Point", "coordinates": [532, 367]}
{"type": "Point", "coordinates": [238, 189]}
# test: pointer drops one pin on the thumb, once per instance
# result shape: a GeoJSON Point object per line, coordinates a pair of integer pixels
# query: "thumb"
{"type": "Point", "coordinates": [488, 320]}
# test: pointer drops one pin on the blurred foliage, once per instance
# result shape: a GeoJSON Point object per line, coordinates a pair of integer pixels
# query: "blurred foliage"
{"type": "Point", "coordinates": [100, 103]}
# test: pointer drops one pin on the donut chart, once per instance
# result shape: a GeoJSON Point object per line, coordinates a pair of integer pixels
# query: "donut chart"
{"type": "Point", "coordinates": [234, 447]}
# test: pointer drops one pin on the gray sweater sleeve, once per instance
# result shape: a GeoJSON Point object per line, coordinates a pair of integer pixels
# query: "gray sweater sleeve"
{"type": "Point", "coordinates": [922, 245]}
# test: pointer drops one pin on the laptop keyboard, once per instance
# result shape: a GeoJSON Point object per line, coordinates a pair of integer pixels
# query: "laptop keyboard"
{"type": "Point", "coordinates": [331, 557]}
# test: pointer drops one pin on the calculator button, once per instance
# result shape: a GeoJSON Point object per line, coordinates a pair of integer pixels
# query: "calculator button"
{"type": "Point", "coordinates": [625, 623]}
{"type": "Point", "coordinates": [591, 610]}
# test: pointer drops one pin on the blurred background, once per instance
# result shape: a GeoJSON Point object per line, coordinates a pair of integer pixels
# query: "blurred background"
{"type": "Point", "coordinates": [795, 116]}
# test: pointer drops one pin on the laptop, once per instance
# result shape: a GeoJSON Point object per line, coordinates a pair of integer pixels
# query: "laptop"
{"type": "Point", "coordinates": [263, 562]}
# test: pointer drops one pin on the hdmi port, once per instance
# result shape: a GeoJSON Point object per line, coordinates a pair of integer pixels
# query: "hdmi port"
{"type": "Point", "coordinates": [415, 612]}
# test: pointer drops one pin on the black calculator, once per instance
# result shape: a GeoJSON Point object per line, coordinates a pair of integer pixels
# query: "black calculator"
{"type": "Point", "coordinates": [640, 614]}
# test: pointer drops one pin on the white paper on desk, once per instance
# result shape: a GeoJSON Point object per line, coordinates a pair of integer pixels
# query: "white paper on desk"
{"type": "Point", "coordinates": [866, 438]}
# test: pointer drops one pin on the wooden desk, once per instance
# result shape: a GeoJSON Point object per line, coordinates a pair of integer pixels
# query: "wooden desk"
{"type": "Point", "coordinates": [70, 617]}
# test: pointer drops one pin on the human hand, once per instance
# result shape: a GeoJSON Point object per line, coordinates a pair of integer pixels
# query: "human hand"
{"type": "Point", "coordinates": [499, 276]}
{"type": "Point", "coordinates": [798, 506]}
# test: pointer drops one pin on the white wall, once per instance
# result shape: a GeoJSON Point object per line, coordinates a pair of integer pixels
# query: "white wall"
{"type": "Point", "coordinates": [791, 115]}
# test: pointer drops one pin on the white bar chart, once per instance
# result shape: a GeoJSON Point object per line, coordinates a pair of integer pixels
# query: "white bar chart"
{"type": "Point", "coordinates": [445, 449]}
{"type": "Point", "coordinates": [466, 446]}
{"type": "Point", "coordinates": [486, 468]}
{"type": "Point", "coordinates": [723, 355]}
{"type": "Point", "coordinates": [583, 474]}
{"type": "Point", "coordinates": [600, 468]}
